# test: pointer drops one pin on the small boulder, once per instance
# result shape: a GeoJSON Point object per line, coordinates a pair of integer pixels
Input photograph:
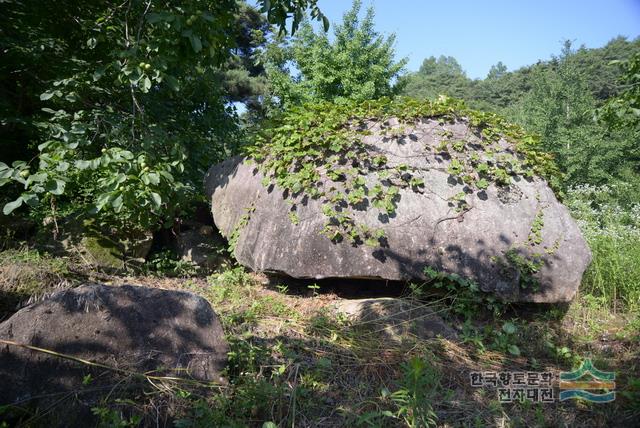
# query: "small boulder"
{"type": "Point", "coordinates": [128, 328]}
{"type": "Point", "coordinates": [201, 245]}
{"type": "Point", "coordinates": [396, 319]}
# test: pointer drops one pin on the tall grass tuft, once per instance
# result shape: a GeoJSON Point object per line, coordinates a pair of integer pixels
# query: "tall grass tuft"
{"type": "Point", "coordinates": [613, 233]}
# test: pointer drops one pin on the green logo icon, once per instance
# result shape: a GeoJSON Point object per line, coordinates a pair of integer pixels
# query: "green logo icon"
{"type": "Point", "coordinates": [579, 384]}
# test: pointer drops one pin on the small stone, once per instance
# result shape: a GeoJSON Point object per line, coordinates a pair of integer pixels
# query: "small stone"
{"type": "Point", "coordinates": [397, 319]}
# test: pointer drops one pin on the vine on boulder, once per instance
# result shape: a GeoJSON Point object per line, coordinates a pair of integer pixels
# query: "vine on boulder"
{"type": "Point", "coordinates": [317, 151]}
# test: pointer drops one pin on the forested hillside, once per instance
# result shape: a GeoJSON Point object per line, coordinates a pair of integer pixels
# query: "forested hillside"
{"type": "Point", "coordinates": [557, 99]}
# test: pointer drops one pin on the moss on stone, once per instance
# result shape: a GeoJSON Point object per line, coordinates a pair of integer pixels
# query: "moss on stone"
{"type": "Point", "coordinates": [104, 252]}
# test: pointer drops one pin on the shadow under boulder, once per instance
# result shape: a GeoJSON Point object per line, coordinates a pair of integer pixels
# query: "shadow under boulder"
{"type": "Point", "coordinates": [201, 244]}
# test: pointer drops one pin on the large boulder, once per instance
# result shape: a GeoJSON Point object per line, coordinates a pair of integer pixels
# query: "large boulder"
{"type": "Point", "coordinates": [465, 201]}
{"type": "Point", "coordinates": [128, 328]}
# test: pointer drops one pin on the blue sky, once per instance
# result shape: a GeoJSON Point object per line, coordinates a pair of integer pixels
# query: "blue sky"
{"type": "Point", "coordinates": [481, 33]}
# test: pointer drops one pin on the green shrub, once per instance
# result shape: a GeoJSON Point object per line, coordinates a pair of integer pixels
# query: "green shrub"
{"type": "Point", "coordinates": [123, 126]}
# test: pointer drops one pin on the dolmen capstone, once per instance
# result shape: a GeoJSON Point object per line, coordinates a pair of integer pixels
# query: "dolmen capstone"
{"type": "Point", "coordinates": [458, 192]}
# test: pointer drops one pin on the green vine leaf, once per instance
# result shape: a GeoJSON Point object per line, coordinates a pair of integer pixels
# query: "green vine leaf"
{"type": "Point", "coordinates": [317, 150]}
{"type": "Point", "coordinates": [12, 206]}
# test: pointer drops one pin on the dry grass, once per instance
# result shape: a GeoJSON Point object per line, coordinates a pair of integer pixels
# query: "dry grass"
{"type": "Point", "coordinates": [296, 362]}
{"type": "Point", "coordinates": [358, 363]}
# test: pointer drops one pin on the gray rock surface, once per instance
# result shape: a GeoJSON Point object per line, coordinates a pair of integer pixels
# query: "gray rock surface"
{"type": "Point", "coordinates": [201, 246]}
{"type": "Point", "coordinates": [146, 330]}
{"type": "Point", "coordinates": [426, 229]}
{"type": "Point", "coordinates": [396, 319]}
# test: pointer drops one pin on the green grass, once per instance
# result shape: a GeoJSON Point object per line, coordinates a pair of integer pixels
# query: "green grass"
{"type": "Point", "coordinates": [294, 362]}
{"type": "Point", "coordinates": [614, 273]}
{"type": "Point", "coordinates": [27, 274]}
{"type": "Point", "coordinates": [167, 263]}
{"type": "Point", "coordinates": [612, 230]}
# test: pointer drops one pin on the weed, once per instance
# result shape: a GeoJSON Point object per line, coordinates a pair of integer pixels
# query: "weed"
{"type": "Point", "coordinates": [632, 392]}
{"type": "Point", "coordinates": [412, 403]}
{"type": "Point", "coordinates": [237, 229]}
{"type": "Point", "coordinates": [473, 336]}
{"type": "Point", "coordinates": [236, 291]}
{"type": "Point", "coordinates": [166, 263]}
{"type": "Point", "coordinates": [314, 289]}
{"type": "Point", "coordinates": [110, 418]}
{"type": "Point", "coordinates": [503, 339]}
{"type": "Point", "coordinates": [284, 289]}
{"type": "Point", "coordinates": [465, 295]}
